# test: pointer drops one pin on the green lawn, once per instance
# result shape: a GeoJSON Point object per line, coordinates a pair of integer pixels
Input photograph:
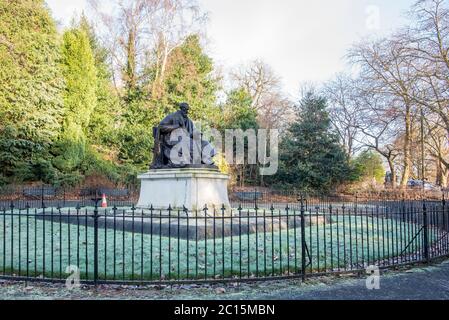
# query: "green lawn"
{"type": "Point", "coordinates": [154, 258]}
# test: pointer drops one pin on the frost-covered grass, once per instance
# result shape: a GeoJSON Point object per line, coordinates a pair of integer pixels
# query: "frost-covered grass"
{"type": "Point", "coordinates": [51, 247]}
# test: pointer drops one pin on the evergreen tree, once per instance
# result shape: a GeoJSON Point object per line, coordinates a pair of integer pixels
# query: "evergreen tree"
{"type": "Point", "coordinates": [107, 112]}
{"type": "Point", "coordinates": [31, 104]}
{"type": "Point", "coordinates": [78, 68]}
{"type": "Point", "coordinates": [135, 136]}
{"type": "Point", "coordinates": [15, 161]}
{"type": "Point", "coordinates": [238, 113]}
{"type": "Point", "coordinates": [189, 77]}
{"type": "Point", "coordinates": [311, 157]}
{"type": "Point", "coordinates": [368, 165]}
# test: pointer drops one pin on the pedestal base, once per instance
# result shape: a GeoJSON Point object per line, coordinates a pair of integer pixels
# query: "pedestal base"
{"type": "Point", "coordinates": [192, 188]}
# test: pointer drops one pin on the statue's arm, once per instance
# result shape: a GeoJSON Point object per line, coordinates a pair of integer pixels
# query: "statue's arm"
{"type": "Point", "coordinates": [168, 128]}
{"type": "Point", "coordinates": [168, 125]}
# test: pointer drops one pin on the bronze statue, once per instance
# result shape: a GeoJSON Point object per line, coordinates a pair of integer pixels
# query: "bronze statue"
{"type": "Point", "coordinates": [177, 143]}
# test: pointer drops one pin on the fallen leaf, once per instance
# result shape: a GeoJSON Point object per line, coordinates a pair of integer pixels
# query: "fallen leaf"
{"type": "Point", "coordinates": [220, 290]}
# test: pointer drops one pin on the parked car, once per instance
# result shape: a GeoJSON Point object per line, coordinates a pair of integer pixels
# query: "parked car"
{"type": "Point", "coordinates": [418, 184]}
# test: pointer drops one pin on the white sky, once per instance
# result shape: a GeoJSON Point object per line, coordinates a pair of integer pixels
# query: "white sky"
{"type": "Point", "coordinates": [303, 40]}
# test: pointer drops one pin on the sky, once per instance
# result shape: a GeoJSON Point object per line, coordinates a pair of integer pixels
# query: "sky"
{"type": "Point", "coordinates": [304, 41]}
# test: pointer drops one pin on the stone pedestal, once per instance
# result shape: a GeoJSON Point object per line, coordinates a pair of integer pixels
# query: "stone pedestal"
{"type": "Point", "coordinates": [192, 188]}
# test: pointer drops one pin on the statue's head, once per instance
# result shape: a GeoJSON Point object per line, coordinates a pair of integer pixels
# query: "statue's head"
{"type": "Point", "coordinates": [184, 107]}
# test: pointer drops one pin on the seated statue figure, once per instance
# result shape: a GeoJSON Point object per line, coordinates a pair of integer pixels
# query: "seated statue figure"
{"type": "Point", "coordinates": [178, 144]}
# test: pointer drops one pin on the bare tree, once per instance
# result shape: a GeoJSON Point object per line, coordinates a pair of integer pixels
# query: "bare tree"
{"type": "Point", "coordinates": [344, 110]}
{"type": "Point", "coordinates": [386, 67]}
{"type": "Point", "coordinates": [437, 145]}
{"type": "Point", "coordinates": [142, 32]}
{"type": "Point", "coordinates": [379, 129]}
{"type": "Point", "coordinates": [122, 32]}
{"type": "Point", "coordinates": [260, 81]}
{"type": "Point", "coordinates": [428, 49]}
{"type": "Point", "coordinates": [170, 27]}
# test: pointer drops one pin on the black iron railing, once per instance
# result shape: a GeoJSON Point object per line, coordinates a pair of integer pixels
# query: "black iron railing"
{"type": "Point", "coordinates": [45, 196]}
{"type": "Point", "coordinates": [129, 245]}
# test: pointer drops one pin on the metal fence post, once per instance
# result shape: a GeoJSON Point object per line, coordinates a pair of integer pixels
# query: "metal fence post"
{"type": "Point", "coordinates": [303, 240]}
{"type": "Point", "coordinates": [255, 199]}
{"type": "Point", "coordinates": [95, 243]}
{"type": "Point", "coordinates": [445, 226]}
{"type": "Point", "coordinates": [42, 196]}
{"type": "Point", "coordinates": [445, 223]}
{"type": "Point", "coordinates": [426, 233]}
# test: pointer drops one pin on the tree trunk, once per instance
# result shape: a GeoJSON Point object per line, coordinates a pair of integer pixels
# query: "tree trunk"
{"type": "Point", "coordinates": [164, 64]}
{"type": "Point", "coordinates": [156, 77]}
{"type": "Point", "coordinates": [444, 178]}
{"type": "Point", "coordinates": [407, 161]}
{"type": "Point", "coordinates": [130, 76]}
{"type": "Point", "coordinates": [439, 175]}
{"type": "Point", "coordinates": [442, 175]}
{"type": "Point", "coordinates": [393, 172]}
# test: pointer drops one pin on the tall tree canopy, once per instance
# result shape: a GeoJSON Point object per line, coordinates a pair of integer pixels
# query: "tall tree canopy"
{"type": "Point", "coordinates": [311, 157]}
{"type": "Point", "coordinates": [107, 111]}
{"type": "Point", "coordinates": [238, 111]}
{"type": "Point", "coordinates": [78, 69]}
{"type": "Point", "coordinates": [189, 77]}
{"type": "Point", "coordinates": [31, 102]}
{"type": "Point", "coordinates": [368, 166]}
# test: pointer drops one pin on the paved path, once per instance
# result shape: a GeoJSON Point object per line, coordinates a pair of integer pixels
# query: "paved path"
{"type": "Point", "coordinates": [421, 283]}
{"type": "Point", "coordinates": [416, 284]}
